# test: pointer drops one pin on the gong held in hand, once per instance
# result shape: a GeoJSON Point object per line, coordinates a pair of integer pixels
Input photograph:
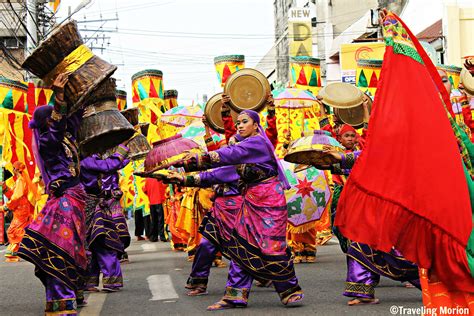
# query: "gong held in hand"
{"type": "Point", "coordinates": [248, 89]}
{"type": "Point", "coordinates": [213, 115]}
{"type": "Point", "coordinates": [346, 100]}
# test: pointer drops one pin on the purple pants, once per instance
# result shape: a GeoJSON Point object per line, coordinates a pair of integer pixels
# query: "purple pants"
{"type": "Point", "coordinates": [365, 266]}
{"type": "Point", "coordinates": [60, 299]}
{"type": "Point", "coordinates": [205, 255]}
{"type": "Point", "coordinates": [239, 283]}
{"type": "Point", "coordinates": [106, 261]}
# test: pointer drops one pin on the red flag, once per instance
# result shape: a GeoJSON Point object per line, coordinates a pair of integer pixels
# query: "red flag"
{"type": "Point", "coordinates": [408, 188]}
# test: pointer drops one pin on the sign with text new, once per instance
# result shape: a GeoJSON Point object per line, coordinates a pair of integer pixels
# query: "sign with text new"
{"type": "Point", "coordinates": [299, 32]}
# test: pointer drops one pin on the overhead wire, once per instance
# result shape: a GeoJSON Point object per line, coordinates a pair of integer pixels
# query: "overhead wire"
{"type": "Point", "coordinates": [35, 42]}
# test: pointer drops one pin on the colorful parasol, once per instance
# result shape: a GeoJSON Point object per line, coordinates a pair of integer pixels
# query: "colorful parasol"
{"type": "Point", "coordinates": [293, 98]}
{"type": "Point", "coordinates": [182, 116]}
{"type": "Point", "coordinates": [308, 196]}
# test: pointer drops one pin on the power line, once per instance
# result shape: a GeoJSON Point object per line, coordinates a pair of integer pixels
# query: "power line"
{"type": "Point", "coordinates": [21, 21]}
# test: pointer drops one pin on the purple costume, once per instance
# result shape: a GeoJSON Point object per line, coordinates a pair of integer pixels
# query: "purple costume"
{"type": "Point", "coordinates": [102, 210]}
{"type": "Point", "coordinates": [257, 244]}
{"type": "Point", "coordinates": [217, 225]}
{"type": "Point", "coordinates": [365, 265]}
{"type": "Point", "coordinates": [54, 242]}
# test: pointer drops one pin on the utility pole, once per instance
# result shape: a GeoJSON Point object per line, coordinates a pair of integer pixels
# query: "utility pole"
{"type": "Point", "coordinates": [31, 26]}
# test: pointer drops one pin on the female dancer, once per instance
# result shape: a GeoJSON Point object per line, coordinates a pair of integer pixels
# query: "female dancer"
{"type": "Point", "coordinates": [257, 245]}
{"type": "Point", "coordinates": [54, 241]}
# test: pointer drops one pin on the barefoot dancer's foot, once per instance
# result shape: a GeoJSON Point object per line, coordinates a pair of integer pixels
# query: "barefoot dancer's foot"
{"type": "Point", "coordinates": [363, 301]}
{"type": "Point", "coordinates": [220, 306]}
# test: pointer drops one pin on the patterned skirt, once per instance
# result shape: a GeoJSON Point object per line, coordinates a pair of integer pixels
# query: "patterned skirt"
{"type": "Point", "coordinates": [219, 222]}
{"type": "Point", "coordinates": [258, 240]}
{"type": "Point", "coordinates": [54, 241]}
{"type": "Point", "coordinates": [101, 226]}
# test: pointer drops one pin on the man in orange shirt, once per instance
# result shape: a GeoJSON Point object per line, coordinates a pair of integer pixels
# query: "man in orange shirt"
{"type": "Point", "coordinates": [155, 190]}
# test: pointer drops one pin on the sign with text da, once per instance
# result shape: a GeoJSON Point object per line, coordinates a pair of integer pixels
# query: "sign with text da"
{"type": "Point", "coordinates": [299, 32]}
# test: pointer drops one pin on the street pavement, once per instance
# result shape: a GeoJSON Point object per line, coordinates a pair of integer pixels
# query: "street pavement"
{"type": "Point", "coordinates": [154, 285]}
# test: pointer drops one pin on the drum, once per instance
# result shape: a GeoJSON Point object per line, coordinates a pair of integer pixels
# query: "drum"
{"type": "Point", "coordinates": [305, 73]}
{"type": "Point", "coordinates": [212, 111]}
{"type": "Point", "coordinates": [453, 72]}
{"type": "Point", "coordinates": [248, 89]}
{"type": "Point", "coordinates": [65, 51]}
{"type": "Point", "coordinates": [103, 126]}
{"type": "Point", "coordinates": [147, 94]}
{"type": "Point", "coordinates": [146, 84]}
{"type": "Point", "coordinates": [308, 150]}
{"type": "Point", "coordinates": [226, 65]}
{"type": "Point", "coordinates": [168, 151]}
{"type": "Point", "coordinates": [171, 99]}
{"type": "Point", "coordinates": [368, 75]}
{"type": "Point", "coordinates": [121, 97]}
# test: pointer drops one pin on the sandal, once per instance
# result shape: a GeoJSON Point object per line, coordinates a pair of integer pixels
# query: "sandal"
{"type": "Point", "coordinates": [363, 301]}
{"type": "Point", "coordinates": [294, 299]}
{"type": "Point", "coordinates": [220, 306]}
{"type": "Point", "coordinates": [197, 291]}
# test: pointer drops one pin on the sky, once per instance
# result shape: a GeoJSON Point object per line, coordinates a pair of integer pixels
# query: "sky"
{"type": "Point", "coordinates": [178, 37]}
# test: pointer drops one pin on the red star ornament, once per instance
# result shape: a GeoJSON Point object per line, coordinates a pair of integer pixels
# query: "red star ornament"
{"type": "Point", "coordinates": [304, 187]}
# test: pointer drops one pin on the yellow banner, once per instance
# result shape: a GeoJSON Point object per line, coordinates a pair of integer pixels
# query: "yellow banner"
{"type": "Point", "coordinates": [351, 53]}
{"type": "Point", "coordinates": [301, 41]}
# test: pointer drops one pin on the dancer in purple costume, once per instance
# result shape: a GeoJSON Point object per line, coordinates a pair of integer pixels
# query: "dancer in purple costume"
{"type": "Point", "coordinates": [103, 239]}
{"type": "Point", "coordinates": [217, 225]}
{"type": "Point", "coordinates": [257, 244]}
{"type": "Point", "coordinates": [364, 264]}
{"type": "Point", "coordinates": [54, 242]}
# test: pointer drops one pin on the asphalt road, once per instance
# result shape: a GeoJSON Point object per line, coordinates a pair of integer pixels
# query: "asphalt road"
{"type": "Point", "coordinates": [154, 285]}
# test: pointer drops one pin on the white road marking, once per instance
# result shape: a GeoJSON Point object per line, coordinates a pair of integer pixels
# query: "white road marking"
{"type": "Point", "coordinates": [161, 287]}
{"type": "Point", "coordinates": [95, 302]}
